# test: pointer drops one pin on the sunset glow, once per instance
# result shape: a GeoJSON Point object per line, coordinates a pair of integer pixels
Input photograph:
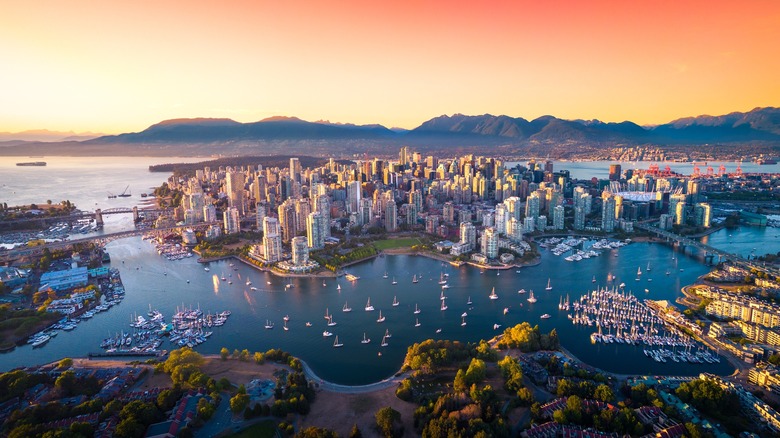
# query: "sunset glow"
{"type": "Point", "coordinates": [121, 66]}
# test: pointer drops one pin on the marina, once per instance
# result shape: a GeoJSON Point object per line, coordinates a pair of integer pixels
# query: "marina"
{"type": "Point", "coordinates": [148, 278]}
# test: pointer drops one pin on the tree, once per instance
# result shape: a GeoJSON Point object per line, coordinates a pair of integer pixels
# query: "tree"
{"type": "Point", "coordinates": [604, 393]}
{"type": "Point", "coordinates": [316, 432]}
{"type": "Point", "coordinates": [65, 363]}
{"type": "Point", "coordinates": [386, 419]}
{"type": "Point", "coordinates": [355, 432]}
{"type": "Point", "coordinates": [224, 353]}
{"type": "Point", "coordinates": [239, 402]}
{"type": "Point", "coordinates": [66, 382]}
{"type": "Point", "coordinates": [476, 372]}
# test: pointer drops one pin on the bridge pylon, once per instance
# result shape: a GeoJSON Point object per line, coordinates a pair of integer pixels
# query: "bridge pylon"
{"type": "Point", "coordinates": [136, 219]}
{"type": "Point", "coordinates": [98, 217]}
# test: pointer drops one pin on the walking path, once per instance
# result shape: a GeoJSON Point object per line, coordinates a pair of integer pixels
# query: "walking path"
{"type": "Point", "coordinates": [348, 389]}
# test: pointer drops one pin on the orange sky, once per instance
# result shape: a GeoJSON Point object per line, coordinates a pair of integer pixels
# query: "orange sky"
{"type": "Point", "coordinates": [122, 66]}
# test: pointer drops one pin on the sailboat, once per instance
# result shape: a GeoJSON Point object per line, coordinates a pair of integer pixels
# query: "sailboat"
{"type": "Point", "coordinates": [416, 322]}
{"type": "Point", "coordinates": [384, 341]}
{"type": "Point", "coordinates": [286, 318]}
{"type": "Point", "coordinates": [346, 308]}
{"type": "Point", "coordinates": [647, 269]}
{"type": "Point", "coordinates": [338, 287]}
{"type": "Point", "coordinates": [468, 302]}
{"type": "Point", "coordinates": [327, 333]}
{"type": "Point", "coordinates": [532, 299]}
{"type": "Point", "coordinates": [414, 279]}
{"type": "Point", "coordinates": [381, 318]}
{"type": "Point", "coordinates": [331, 323]}
{"type": "Point", "coordinates": [268, 324]}
{"type": "Point", "coordinates": [463, 321]}
{"type": "Point", "coordinates": [387, 333]}
{"type": "Point", "coordinates": [327, 315]}
{"type": "Point", "coordinates": [416, 309]}
{"type": "Point", "coordinates": [442, 280]}
{"type": "Point", "coordinates": [443, 305]}
{"type": "Point", "coordinates": [493, 295]}
{"type": "Point", "coordinates": [365, 339]}
{"type": "Point", "coordinates": [593, 280]}
{"type": "Point", "coordinates": [395, 301]}
{"type": "Point", "coordinates": [285, 326]}
{"type": "Point", "coordinates": [336, 343]}
{"type": "Point", "coordinates": [369, 307]}
{"type": "Point", "coordinates": [549, 286]}
{"type": "Point", "coordinates": [442, 296]}
{"type": "Point", "coordinates": [385, 276]}
{"type": "Point", "coordinates": [394, 282]}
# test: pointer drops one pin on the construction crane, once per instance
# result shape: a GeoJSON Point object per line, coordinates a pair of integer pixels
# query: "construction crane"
{"type": "Point", "coordinates": [125, 194]}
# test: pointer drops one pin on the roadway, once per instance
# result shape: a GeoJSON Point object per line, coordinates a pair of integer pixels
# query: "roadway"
{"type": "Point", "coordinates": [25, 251]}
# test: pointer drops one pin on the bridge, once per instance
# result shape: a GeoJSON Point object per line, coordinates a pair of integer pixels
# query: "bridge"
{"type": "Point", "coordinates": [26, 251]}
{"type": "Point", "coordinates": [709, 251]}
{"type": "Point", "coordinates": [96, 215]}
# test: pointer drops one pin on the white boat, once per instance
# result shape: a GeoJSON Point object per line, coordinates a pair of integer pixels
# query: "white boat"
{"type": "Point", "coordinates": [416, 309]}
{"type": "Point", "coordinates": [463, 321]}
{"type": "Point", "coordinates": [248, 283]}
{"type": "Point", "coordinates": [323, 284]}
{"type": "Point", "coordinates": [468, 302]}
{"type": "Point", "coordinates": [549, 286]}
{"type": "Point", "coordinates": [387, 333]}
{"type": "Point", "coordinates": [414, 279]}
{"type": "Point", "coordinates": [385, 276]}
{"type": "Point", "coordinates": [416, 322]}
{"type": "Point", "coordinates": [496, 326]}
{"type": "Point", "coordinates": [531, 298]}
{"type": "Point", "coordinates": [545, 316]}
{"type": "Point", "coordinates": [331, 323]}
{"type": "Point", "coordinates": [327, 315]}
{"type": "Point", "coordinates": [395, 302]}
{"type": "Point", "coordinates": [438, 330]}
{"type": "Point", "coordinates": [647, 291]}
{"type": "Point", "coordinates": [381, 318]}
{"type": "Point", "coordinates": [384, 341]}
{"type": "Point", "coordinates": [338, 287]}
{"type": "Point", "coordinates": [268, 324]}
{"type": "Point", "coordinates": [369, 307]}
{"type": "Point", "coordinates": [593, 280]}
{"type": "Point", "coordinates": [365, 339]}
{"type": "Point", "coordinates": [252, 288]}
{"type": "Point", "coordinates": [286, 318]}
{"type": "Point", "coordinates": [443, 305]}
{"type": "Point", "coordinates": [506, 310]}
{"type": "Point", "coordinates": [521, 291]}
{"type": "Point", "coordinates": [493, 295]}
{"type": "Point", "coordinates": [327, 333]}
{"type": "Point", "coordinates": [464, 314]}
{"type": "Point", "coordinates": [285, 326]}
{"type": "Point", "coordinates": [442, 280]}
{"type": "Point", "coordinates": [206, 269]}
{"type": "Point", "coordinates": [394, 282]}
{"type": "Point", "coordinates": [336, 343]}
{"type": "Point", "coordinates": [346, 308]}
{"type": "Point", "coordinates": [442, 296]}
{"type": "Point", "coordinates": [647, 269]}
{"type": "Point", "coordinates": [40, 340]}
{"type": "Point", "coordinates": [308, 324]}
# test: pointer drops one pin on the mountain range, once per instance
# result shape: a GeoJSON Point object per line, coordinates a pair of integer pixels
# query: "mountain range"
{"type": "Point", "coordinates": [458, 132]}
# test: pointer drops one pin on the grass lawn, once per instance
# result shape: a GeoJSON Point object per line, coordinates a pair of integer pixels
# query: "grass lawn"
{"type": "Point", "coordinates": [265, 429]}
{"type": "Point", "coordinates": [396, 243]}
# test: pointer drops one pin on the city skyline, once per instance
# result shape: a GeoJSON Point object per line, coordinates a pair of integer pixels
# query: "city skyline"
{"type": "Point", "coordinates": [120, 68]}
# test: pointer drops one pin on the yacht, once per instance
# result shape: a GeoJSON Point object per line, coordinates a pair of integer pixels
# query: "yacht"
{"type": "Point", "coordinates": [545, 316]}
{"type": "Point", "coordinates": [365, 339]}
{"type": "Point", "coordinates": [506, 310]}
{"type": "Point", "coordinates": [438, 330]}
{"type": "Point", "coordinates": [395, 302]}
{"type": "Point", "coordinates": [593, 280]}
{"type": "Point", "coordinates": [521, 291]}
{"type": "Point", "coordinates": [442, 280]}
{"type": "Point", "coordinates": [381, 318]}
{"type": "Point", "coordinates": [206, 269]}
{"type": "Point", "coordinates": [327, 333]}
{"type": "Point", "coordinates": [338, 287]}
{"type": "Point", "coordinates": [549, 286]}
{"type": "Point", "coordinates": [493, 295]}
{"type": "Point", "coordinates": [369, 307]}
{"type": "Point", "coordinates": [285, 326]}
{"type": "Point", "coordinates": [416, 309]}
{"type": "Point", "coordinates": [531, 298]}
{"type": "Point", "coordinates": [387, 333]}
{"type": "Point", "coordinates": [336, 343]}
{"type": "Point", "coordinates": [346, 308]}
